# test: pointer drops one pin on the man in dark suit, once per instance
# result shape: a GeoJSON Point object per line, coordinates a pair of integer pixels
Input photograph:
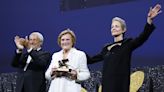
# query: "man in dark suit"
{"type": "Point", "coordinates": [32, 62]}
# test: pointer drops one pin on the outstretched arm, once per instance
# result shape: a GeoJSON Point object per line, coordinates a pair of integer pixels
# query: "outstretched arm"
{"type": "Point", "coordinates": [153, 12]}
{"type": "Point", "coordinates": [149, 27]}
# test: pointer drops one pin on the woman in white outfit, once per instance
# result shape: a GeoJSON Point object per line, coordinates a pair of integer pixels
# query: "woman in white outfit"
{"type": "Point", "coordinates": [68, 66]}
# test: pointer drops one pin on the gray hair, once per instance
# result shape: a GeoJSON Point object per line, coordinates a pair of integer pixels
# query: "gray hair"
{"type": "Point", "coordinates": [40, 36]}
{"type": "Point", "coordinates": [122, 21]}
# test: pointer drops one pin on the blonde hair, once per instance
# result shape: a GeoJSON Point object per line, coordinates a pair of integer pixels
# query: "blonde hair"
{"type": "Point", "coordinates": [122, 22]}
{"type": "Point", "coordinates": [67, 31]}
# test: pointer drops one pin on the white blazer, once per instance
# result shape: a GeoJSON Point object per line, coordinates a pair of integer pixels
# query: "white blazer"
{"type": "Point", "coordinates": [77, 61]}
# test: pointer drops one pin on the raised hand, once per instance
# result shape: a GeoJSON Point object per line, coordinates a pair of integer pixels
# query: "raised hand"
{"type": "Point", "coordinates": [153, 12]}
{"type": "Point", "coordinates": [19, 42]}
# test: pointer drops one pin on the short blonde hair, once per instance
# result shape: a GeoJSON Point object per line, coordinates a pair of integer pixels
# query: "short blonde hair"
{"type": "Point", "coordinates": [122, 22]}
{"type": "Point", "coordinates": [67, 31]}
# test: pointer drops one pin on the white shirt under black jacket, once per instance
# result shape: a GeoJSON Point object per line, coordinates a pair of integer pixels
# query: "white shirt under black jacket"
{"type": "Point", "coordinates": [29, 57]}
{"type": "Point", "coordinates": [77, 61]}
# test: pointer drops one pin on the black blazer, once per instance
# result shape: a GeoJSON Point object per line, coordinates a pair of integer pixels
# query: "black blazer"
{"type": "Point", "coordinates": [33, 79]}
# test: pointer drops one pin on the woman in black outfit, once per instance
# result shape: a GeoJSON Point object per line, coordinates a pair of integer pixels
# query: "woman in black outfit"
{"type": "Point", "coordinates": [117, 56]}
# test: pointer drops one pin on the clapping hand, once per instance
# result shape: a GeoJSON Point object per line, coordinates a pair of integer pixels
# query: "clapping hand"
{"type": "Point", "coordinates": [21, 43]}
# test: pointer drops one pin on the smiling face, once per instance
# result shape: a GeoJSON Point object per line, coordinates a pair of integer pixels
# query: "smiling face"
{"type": "Point", "coordinates": [66, 39]}
{"type": "Point", "coordinates": [116, 29]}
{"type": "Point", "coordinates": [34, 41]}
{"type": "Point", "coordinates": [66, 42]}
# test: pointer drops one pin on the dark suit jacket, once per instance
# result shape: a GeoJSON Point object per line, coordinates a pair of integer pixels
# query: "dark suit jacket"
{"type": "Point", "coordinates": [33, 79]}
